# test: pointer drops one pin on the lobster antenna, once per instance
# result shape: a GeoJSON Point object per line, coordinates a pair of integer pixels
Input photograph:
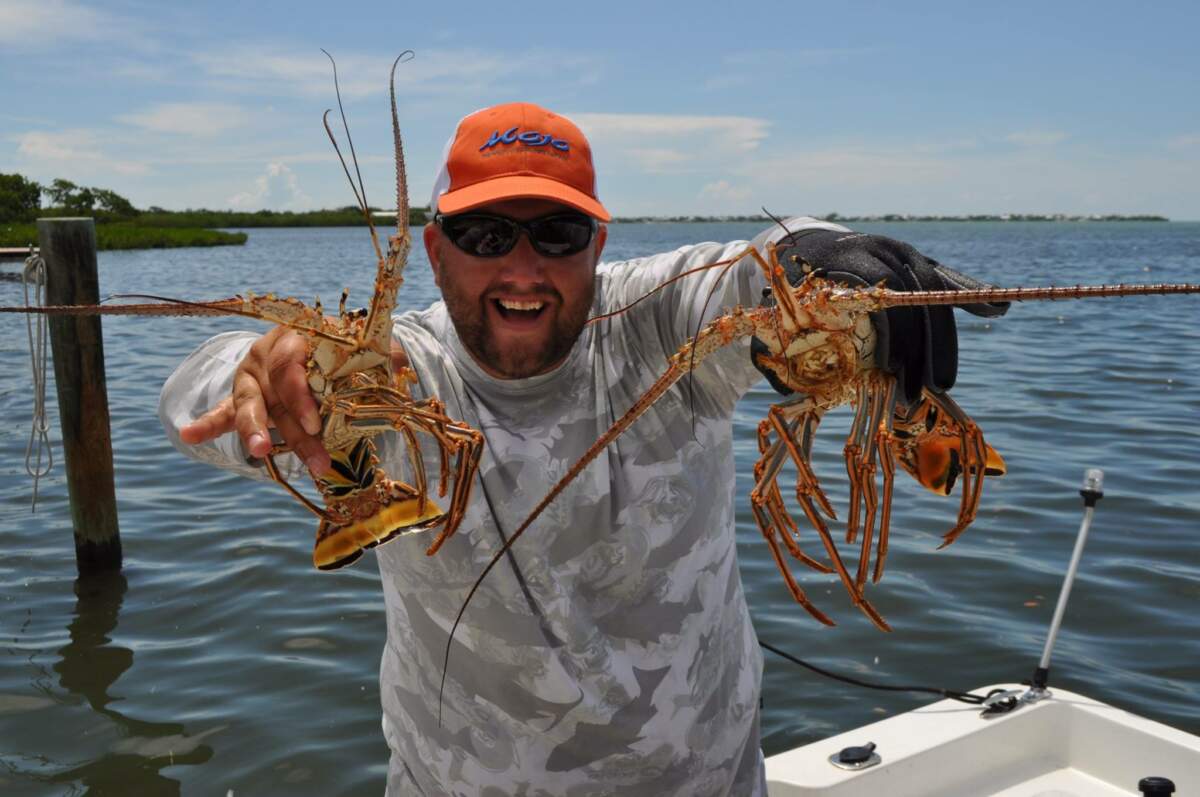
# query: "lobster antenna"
{"type": "Point", "coordinates": [338, 150]}
{"type": "Point", "coordinates": [401, 176]}
{"type": "Point", "coordinates": [360, 190]}
{"type": "Point", "coordinates": [787, 233]}
{"type": "Point", "coordinates": [700, 323]}
{"type": "Point", "coordinates": [889, 298]}
{"type": "Point", "coordinates": [346, 127]}
{"type": "Point", "coordinates": [165, 306]}
{"type": "Point", "coordinates": [656, 289]}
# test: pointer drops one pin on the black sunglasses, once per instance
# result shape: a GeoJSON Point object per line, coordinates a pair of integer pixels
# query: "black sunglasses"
{"type": "Point", "coordinates": [489, 235]}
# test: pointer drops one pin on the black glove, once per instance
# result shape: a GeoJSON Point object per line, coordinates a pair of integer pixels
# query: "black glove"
{"type": "Point", "coordinates": [918, 345]}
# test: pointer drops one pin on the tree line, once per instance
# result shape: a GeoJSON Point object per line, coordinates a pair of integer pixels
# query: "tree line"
{"type": "Point", "coordinates": [21, 201]}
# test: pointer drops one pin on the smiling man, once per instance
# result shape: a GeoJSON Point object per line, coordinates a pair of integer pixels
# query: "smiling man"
{"type": "Point", "coordinates": [521, 316]}
{"type": "Point", "coordinates": [613, 652]}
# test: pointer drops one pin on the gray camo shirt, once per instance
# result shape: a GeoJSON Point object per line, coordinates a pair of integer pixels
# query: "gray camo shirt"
{"type": "Point", "coordinates": [613, 651]}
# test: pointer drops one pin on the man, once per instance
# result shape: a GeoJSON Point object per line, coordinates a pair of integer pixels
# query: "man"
{"type": "Point", "coordinates": [613, 651]}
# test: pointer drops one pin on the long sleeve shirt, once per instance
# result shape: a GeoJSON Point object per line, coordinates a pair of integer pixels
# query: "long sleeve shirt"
{"type": "Point", "coordinates": [612, 651]}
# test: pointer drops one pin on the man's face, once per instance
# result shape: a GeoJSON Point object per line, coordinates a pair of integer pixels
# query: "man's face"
{"type": "Point", "coordinates": [519, 314]}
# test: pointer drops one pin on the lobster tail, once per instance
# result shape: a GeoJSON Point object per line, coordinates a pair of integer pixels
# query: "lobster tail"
{"type": "Point", "coordinates": [341, 544]}
{"type": "Point", "coordinates": [364, 508]}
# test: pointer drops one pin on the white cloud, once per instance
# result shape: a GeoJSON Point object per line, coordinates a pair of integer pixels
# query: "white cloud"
{"type": "Point", "coordinates": [657, 159]}
{"type": "Point", "coordinates": [432, 72]}
{"type": "Point", "coordinates": [277, 189]}
{"type": "Point", "coordinates": [1036, 138]}
{"type": "Point", "coordinates": [724, 191]}
{"type": "Point", "coordinates": [250, 69]}
{"type": "Point", "coordinates": [73, 149]}
{"type": "Point", "coordinates": [857, 167]}
{"type": "Point", "coordinates": [56, 146]}
{"type": "Point", "coordinates": [734, 132]}
{"type": "Point", "coordinates": [39, 23]}
{"type": "Point", "coordinates": [664, 143]}
{"type": "Point", "coordinates": [1191, 141]}
{"type": "Point", "coordinates": [189, 118]}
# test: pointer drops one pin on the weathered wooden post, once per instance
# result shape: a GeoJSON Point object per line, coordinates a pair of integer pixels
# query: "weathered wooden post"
{"type": "Point", "coordinates": [69, 248]}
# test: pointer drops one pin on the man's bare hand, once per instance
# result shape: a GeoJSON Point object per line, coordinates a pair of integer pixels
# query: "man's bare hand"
{"type": "Point", "coordinates": [269, 389]}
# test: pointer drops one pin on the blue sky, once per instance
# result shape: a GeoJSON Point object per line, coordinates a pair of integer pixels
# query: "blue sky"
{"type": "Point", "coordinates": [691, 107]}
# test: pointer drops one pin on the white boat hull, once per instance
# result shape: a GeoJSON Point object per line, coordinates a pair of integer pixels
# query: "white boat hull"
{"type": "Point", "coordinates": [1065, 746]}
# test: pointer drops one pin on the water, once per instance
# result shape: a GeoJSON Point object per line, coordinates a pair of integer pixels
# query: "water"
{"type": "Point", "coordinates": [219, 661]}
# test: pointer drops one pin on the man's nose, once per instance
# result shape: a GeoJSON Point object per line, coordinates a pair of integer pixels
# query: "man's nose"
{"type": "Point", "coordinates": [524, 263]}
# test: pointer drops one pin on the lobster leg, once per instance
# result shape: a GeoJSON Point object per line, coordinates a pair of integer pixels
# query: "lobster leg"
{"type": "Point", "coordinates": [361, 414]}
{"type": "Point", "coordinates": [973, 465]}
{"type": "Point", "coordinates": [766, 497]}
{"type": "Point", "coordinates": [387, 404]}
{"type": "Point", "coordinates": [278, 478]}
{"type": "Point", "coordinates": [807, 486]}
{"type": "Point", "coordinates": [797, 593]}
{"type": "Point", "coordinates": [372, 406]}
{"type": "Point", "coordinates": [852, 453]}
{"type": "Point", "coordinates": [773, 520]}
{"type": "Point", "coordinates": [416, 461]}
{"type": "Point", "coordinates": [469, 452]}
{"type": "Point", "coordinates": [887, 457]}
{"type": "Point", "coordinates": [463, 444]}
{"type": "Point", "coordinates": [809, 416]}
{"type": "Point", "coordinates": [880, 407]}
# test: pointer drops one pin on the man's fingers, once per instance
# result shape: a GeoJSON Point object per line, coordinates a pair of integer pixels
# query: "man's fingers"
{"type": "Point", "coordinates": [270, 388]}
{"type": "Point", "coordinates": [250, 418]}
{"type": "Point", "coordinates": [253, 416]}
{"type": "Point", "coordinates": [290, 382]}
{"type": "Point", "coordinates": [210, 425]}
{"type": "Point", "coordinates": [292, 406]}
{"type": "Point", "coordinates": [305, 446]}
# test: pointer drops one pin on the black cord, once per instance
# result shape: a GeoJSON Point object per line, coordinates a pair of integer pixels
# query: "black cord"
{"type": "Point", "coordinates": [964, 697]}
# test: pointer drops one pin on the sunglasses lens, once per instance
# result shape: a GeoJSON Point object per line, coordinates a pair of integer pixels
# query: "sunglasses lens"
{"type": "Point", "coordinates": [481, 236]}
{"type": "Point", "coordinates": [492, 236]}
{"type": "Point", "coordinates": [559, 236]}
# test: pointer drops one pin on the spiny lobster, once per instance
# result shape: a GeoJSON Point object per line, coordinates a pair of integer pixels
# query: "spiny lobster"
{"type": "Point", "coordinates": [359, 394]}
{"type": "Point", "coordinates": [822, 345]}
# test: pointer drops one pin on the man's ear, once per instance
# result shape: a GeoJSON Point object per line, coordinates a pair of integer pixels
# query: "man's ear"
{"type": "Point", "coordinates": [601, 237]}
{"type": "Point", "coordinates": [431, 236]}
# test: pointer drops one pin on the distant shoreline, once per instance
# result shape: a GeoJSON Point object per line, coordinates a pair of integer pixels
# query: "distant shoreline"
{"type": "Point", "coordinates": [129, 235]}
{"type": "Point", "coordinates": [1002, 217]}
{"type": "Point", "coordinates": [158, 228]}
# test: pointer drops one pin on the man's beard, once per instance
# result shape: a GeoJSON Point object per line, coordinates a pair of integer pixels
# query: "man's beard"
{"type": "Point", "coordinates": [519, 359]}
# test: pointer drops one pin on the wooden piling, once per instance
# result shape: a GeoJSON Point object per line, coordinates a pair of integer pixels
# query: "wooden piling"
{"type": "Point", "coordinates": [68, 247]}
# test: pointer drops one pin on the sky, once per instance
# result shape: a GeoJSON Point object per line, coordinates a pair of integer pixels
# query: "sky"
{"type": "Point", "coordinates": [691, 108]}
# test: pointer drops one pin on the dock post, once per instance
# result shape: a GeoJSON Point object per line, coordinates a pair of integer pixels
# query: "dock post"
{"type": "Point", "coordinates": [68, 247]}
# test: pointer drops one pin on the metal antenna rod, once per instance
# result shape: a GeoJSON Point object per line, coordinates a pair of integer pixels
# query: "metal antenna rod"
{"type": "Point", "coordinates": [1092, 491]}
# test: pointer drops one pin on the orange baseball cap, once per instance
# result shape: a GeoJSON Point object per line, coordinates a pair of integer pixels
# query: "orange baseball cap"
{"type": "Point", "coordinates": [515, 151]}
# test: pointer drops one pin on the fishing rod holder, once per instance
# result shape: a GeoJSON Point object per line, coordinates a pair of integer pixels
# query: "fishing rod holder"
{"type": "Point", "coordinates": [1091, 491]}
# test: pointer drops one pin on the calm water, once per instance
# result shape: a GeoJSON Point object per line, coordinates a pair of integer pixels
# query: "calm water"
{"type": "Point", "coordinates": [219, 660]}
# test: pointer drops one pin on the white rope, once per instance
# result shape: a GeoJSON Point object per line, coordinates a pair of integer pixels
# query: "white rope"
{"type": "Point", "coordinates": [39, 441]}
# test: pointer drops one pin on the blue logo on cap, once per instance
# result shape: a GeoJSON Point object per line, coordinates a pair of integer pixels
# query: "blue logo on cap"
{"type": "Point", "coordinates": [530, 138]}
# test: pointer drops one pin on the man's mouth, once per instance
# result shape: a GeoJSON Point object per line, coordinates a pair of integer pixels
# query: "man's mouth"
{"type": "Point", "coordinates": [519, 310]}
